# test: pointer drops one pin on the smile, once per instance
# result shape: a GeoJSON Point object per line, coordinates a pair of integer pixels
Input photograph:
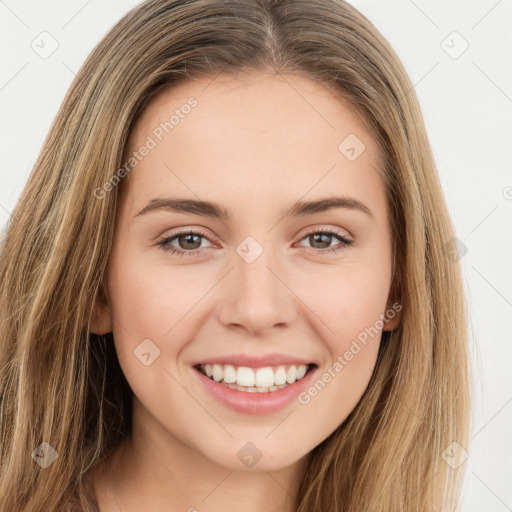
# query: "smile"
{"type": "Point", "coordinates": [255, 380]}
{"type": "Point", "coordinates": [250, 390]}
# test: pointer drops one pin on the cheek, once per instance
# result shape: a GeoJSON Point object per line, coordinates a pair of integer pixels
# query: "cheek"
{"type": "Point", "coordinates": [150, 299]}
{"type": "Point", "coordinates": [347, 300]}
{"type": "Point", "coordinates": [149, 308]}
{"type": "Point", "coordinates": [348, 303]}
{"type": "Point", "coordinates": [155, 302]}
{"type": "Point", "coordinates": [349, 311]}
{"type": "Point", "coordinates": [137, 309]}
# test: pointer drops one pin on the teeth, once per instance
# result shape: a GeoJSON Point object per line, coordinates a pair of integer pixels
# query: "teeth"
{"type": "Point", "coordinates": [245, 376]}
{"type": "Point", "coordinates": [291, 374]}
{"type": "Point", "coordinates": [229, 374]}
{"type": "Point", "coordinates": [301, 371]}
{"type": "Point", "coordinates": [258, 380]}
{"type": "Point", "coordinates": [217, 372]}
{"type": "Point", "coordinates": [253, 390]}
{"type": "Point", "coordinates": [264, 377]}
{"type": "Point", "coordinates": [280, 376]}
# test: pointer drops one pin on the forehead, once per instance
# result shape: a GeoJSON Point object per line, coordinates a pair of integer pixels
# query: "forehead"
{"type": "Point", "coordinates": [253, 135]}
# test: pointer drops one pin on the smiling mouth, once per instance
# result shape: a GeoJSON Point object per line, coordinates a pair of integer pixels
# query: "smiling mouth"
{"type": "Point", "coordinates": [255, 380]}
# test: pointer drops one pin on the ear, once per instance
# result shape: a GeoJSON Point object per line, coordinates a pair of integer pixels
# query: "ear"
{"type": "Point", "coordinates": [393, 310]}
{"type": "Point", "coordinates": [101, 321]}
{"type": "Point", "coordinates": [393, 316]}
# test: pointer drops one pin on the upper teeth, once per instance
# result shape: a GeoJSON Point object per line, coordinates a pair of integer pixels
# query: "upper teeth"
{"type": "Point", "coordinates": [260, 377]}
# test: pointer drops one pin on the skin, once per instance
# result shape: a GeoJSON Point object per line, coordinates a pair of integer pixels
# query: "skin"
{"type": "Point", "coordinates": [255, 145]}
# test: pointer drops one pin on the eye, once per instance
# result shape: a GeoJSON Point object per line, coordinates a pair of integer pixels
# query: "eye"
{"type": "Point", "coordinates": [190, 242]}
{"type": "Point", "coordinates": [324, 237]}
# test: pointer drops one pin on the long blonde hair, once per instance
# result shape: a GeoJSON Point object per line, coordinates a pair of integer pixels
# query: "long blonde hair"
{"type": "Point", "coordinates": [62, 385]}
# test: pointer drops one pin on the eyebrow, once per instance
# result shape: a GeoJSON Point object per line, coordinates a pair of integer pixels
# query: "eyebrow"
{"type": "Point", "coordinates": [216, 211]}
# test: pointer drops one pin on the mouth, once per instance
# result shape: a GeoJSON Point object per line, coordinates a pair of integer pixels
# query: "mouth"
{"type": "Point", "coordinates": [267, 379]}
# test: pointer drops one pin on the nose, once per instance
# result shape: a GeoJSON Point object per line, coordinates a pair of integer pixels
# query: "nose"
{"type": "Point", "coordinates": [257, 296]}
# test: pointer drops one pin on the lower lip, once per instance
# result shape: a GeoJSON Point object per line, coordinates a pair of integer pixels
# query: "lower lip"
{"type": "Point", "coordinates": [255, 403]}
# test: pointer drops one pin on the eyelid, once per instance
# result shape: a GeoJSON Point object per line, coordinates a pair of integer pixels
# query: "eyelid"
{"type": "Point", "coordinates": [340, 232]}
{"type": "Point", "coordinates": [197, 230]}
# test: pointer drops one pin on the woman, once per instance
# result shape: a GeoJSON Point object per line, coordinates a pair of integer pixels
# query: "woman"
{"type": "Point", "coordinates": [254, 367]}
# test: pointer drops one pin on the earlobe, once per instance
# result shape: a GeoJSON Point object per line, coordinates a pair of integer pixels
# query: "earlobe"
{"type": "Point", "coordinates": [393, 315]}
{"type": "Point", "coordinates": [101, 321]}
{"type": "Point", "coordinates": [392, 323]}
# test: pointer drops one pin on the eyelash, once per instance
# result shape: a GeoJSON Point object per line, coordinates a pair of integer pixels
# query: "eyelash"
{"type": "Point", "coordinates": [164, 243]}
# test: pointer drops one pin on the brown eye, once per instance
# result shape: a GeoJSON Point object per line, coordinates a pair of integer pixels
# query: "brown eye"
{"type": "Point", "coordinates": [188, 243]}
{"type": "Point", "coordinates": [321, 240]}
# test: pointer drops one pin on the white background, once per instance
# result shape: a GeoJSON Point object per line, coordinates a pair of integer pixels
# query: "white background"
{"type": "Point", "coordinates": [467, 104]}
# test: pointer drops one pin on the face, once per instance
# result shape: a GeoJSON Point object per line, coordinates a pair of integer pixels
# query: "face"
{"type": "Point", "coordinates": [268, 284]}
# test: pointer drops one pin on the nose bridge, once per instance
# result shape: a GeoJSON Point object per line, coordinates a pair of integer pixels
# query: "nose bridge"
{"type": "Point", "coordinates": [253, 268]}
{"type": "Point", "coordinates": [258, 297]}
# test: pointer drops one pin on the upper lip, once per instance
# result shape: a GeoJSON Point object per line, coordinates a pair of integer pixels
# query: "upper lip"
{"type": "Point", "coordinates": [273, 359]}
